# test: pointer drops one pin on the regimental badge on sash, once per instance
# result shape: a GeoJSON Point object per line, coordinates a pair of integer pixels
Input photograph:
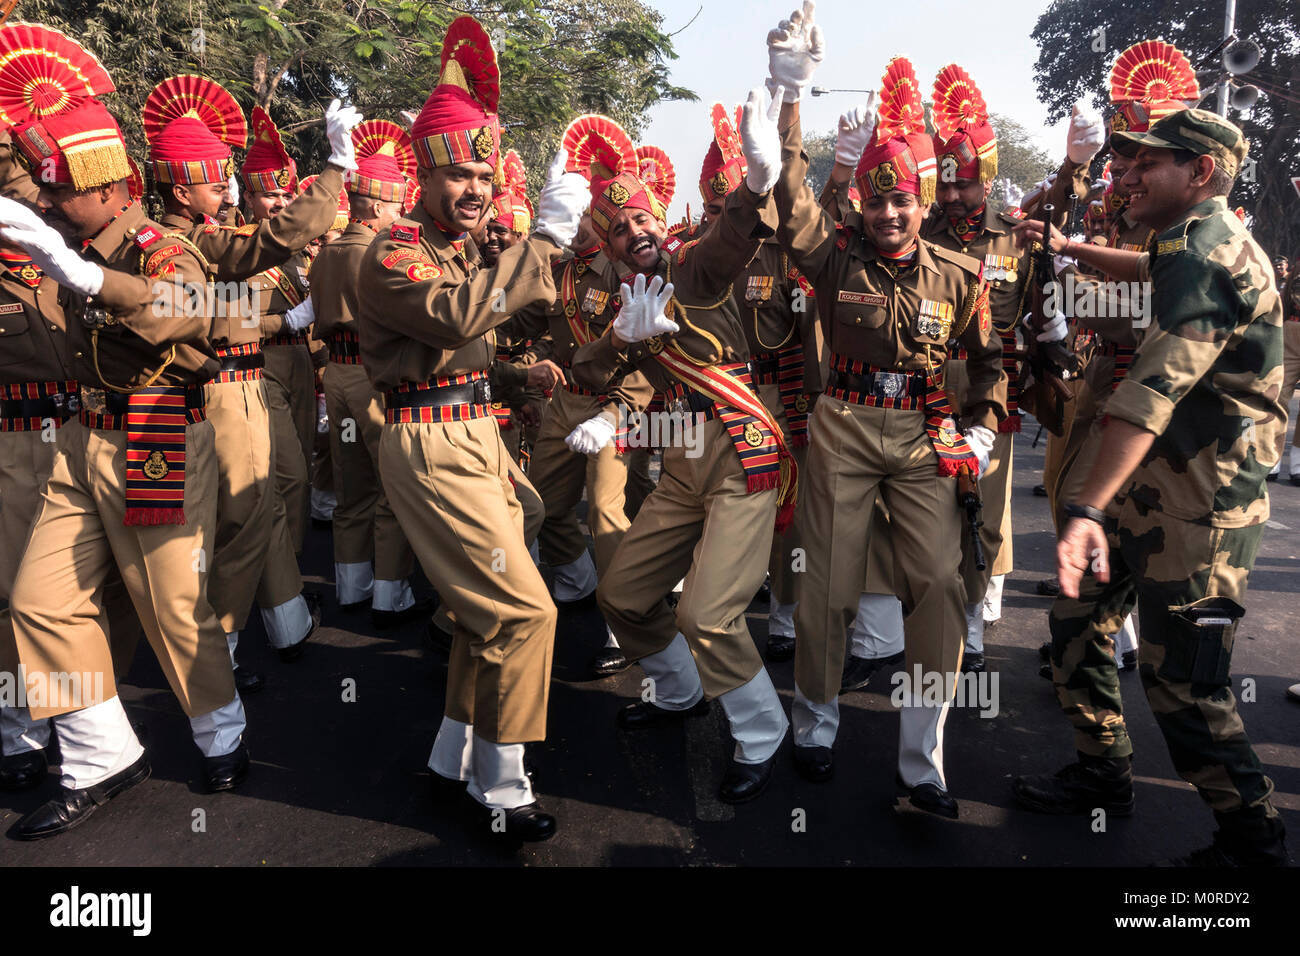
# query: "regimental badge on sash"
{"type": "Point", "coordinates": [948, 432]}
{"type": "Point", "coordinates": [801, 403]}
{"type": "Point", "coordinates": [753, 437]}
{"type": "Point", "coordinates": [155, 467]}
{"type": "Point", "coordinates": [655, 345]}
{"type": "Point", "coordinates": [934, 319]}
{"type": "Point", "coordinates": [595, 301]}
{"type": "Point", "coordinates": [759, 288]}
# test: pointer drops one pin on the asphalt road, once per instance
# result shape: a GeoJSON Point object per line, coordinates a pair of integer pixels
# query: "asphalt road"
{"type": "Point", "coordinates": [343, 783]}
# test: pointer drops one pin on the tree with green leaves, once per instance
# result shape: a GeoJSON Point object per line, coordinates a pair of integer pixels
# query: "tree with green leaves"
{"type": "Point", "coordinates": [1078, 41]}
{"type": "Point", "coordinates": [558, 59]}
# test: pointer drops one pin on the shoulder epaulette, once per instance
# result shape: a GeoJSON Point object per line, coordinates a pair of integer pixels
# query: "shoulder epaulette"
{"type": "Point", "coordinates": [405, 231]}
{"type": "Point", "coordinates": [968, 263]}
{"type": "Point", "coordinates": [672, 244]}
{"type": "Point", "coordinates": [1014, 214]}
{"type": "Point", "coordinates": [147, 236]}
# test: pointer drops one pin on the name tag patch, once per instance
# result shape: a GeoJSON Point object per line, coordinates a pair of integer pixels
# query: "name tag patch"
{"type": "Point", "coordinates": [863, 298]}
{"type": "Point", "coordinates": [1167, 246]}
{"type": "Point", "coordinates": [11, 307]}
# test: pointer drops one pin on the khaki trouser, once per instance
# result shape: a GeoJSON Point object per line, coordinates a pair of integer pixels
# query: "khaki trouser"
{"type": "Point", "coordinates": [291, 398]}
{"type": "Point", "coordinates": [880, 552]}
{"type": "Point", "coordinates": [856, 454]}
{"type": "Point", "coordinates": [559, 475]}
{"type": "Point", "coordinates": [639, 483]}
{"type": "Point", "coordinates": [365, 528]}
{"type": "Point", "coordinates": [1290, 381]}
{"type": "Point", "coordinates": [699, 517]}
{"type": "Point", "coordinates": [245, 497]}
{"type": "Point", "coordinates": [781, 562]}
{"type": "Point", "coordinates": [995, 499]}
{"type": "Point", "coordinates": [79, 536]}
{"type": "Point", "coordinates": [450, 487]}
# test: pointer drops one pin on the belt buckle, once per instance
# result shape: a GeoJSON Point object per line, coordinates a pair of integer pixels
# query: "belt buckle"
{"type": "Point", "coordinates": [889, 384]}
{"type": "Point", "coordinates": [67, 403]}
{"type": "Point", "coordinates": [94, 400]}
{"type": "Point", "coordinates": [482, 392]}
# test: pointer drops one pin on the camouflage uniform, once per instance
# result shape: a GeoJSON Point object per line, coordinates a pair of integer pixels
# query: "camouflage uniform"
{"type": "Point", "coordinates": [1184, 533]}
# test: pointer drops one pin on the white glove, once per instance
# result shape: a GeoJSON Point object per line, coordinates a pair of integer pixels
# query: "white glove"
{"type": "Point", "coordinates": [301, 315]}
{"type": "Point", "coordinates": [409, 117]}
{"type": "Point", "coordinates": [1054, 331]}
{"type": "Point", "coordinates": [1037, 191]}
{"type": "Point", "coordinates": [1061, 263]}
{"type": "Point", "coordinates": [23, 227]}
{"type": "Point", "coordinates": [339, 121]}
{"type": "Point", "coordinates": [591, 436]}
{"type": "Point", "coordinates": [642, 315]}
{"type": "Point", "coordinates": [232, 191]}
{"type": "Point", "coordinates": [794, 49]}
{"type": "Point", "coordinates": [1013, 193]}
{"type": "Point", "coordinates": [980, 440]}
{"type": "Point", "coordinates": [760, 140]}
{"type": "Point", "coordinates": [856, 127]}
{"type": "Point", "coordinates": [565, 197]}
{"type": "Point", "coordinates": [1087, 133]}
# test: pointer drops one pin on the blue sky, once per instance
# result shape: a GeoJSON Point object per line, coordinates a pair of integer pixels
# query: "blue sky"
{"type": "Point", "coordinates": [723, 54]}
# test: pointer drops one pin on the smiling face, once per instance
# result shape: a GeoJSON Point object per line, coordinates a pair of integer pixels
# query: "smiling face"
{"type": "Point", "coordinates": [456, 196]}
{"type": "Point", "coordinates": [1160, 189]}
{"type": "Point", "coordinates": [634, 239]}
{"type": "Point", "coordinates": [496, 240]}
{"type": "Point", "coordinates": [267, 204]}
{"type": "Point", "coordinates": [893, 220]}
{"type": "Point", "coordinates": [962, 198]}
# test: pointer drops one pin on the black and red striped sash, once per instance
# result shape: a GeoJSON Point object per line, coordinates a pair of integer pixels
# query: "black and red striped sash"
{"type": "Point", "coordinates": [156, 418]}
{"type": "Point", "coordinates": [27, 406]}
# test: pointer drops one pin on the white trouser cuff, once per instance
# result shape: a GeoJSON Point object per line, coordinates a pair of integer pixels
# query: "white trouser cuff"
{"type": "Point", "coordinates": [611, 640]}
{"type": "Point", "coordinates": [96, 742]}
{"type": "Point", "coordinates": [323, 504]}
{"type": "Point", "coordinates": [993, 598]}
{"type": "Point", "coordinates": [20, 734]}
{"type": "Point", "coordinates": [974, 629]}
{"type": "Point", "coordinates": [575, 580]}
{"type": "Point", "coordinates": [392, 596]}
{"type": "Point", "coordinates": [815, 725]}
{"type": "Point", "coordinates": [877, 630]}
{"type": "Point", "coordinates": [780, 619]}
{"type": "Point", "coordinates": [1126, 640]}
{"type": "Point", "coordinates": [920, 743]}
{"type": "Point", "coordinates": [676, 679]}
{"type": "Point", "coordinates": [232, 642]}
{"type": "Point", "coordinates": [354, 583]}
{"type": "Point", "coordinates": [218, 732]}
{"type": "Point", "coordinates": [1277, 469]}
{"type": "Point", "coordinates": [287, 624]}
{"type": "Point", "coordinates": [453, 750]}
{"type": "Point", "coordinates": [758, 722]}
{"type": "Point", "coordinates": [677, 588]}
{"type": "Point", "coordinates": [498, 780]}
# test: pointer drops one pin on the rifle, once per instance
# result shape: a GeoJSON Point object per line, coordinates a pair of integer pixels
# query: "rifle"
{"type": "Point", "coordinates": [1050, 363]}
{"type": "Point", "coordinates": [968, 498]}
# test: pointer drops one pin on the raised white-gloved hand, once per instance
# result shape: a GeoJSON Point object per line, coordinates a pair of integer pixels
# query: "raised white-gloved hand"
{"type": "Point", "coordinates": [1061, 263]}
{"type": "Point", "coordinates": [23, 227]}
{"type": "Point", "coordinates": [794, 49]}
{"type": "Point", "coordinates": [1038, 191]}
{"type": "Point", "coordinates": [760, 139]}
{"type": "Point", "coordinates": [1087, 133]}
{"type": "Point", "coordinates": [980, 440]}
{"type": "Point", "coordinates": [565, 197]}
{"type": "Point", "coordinates": [409, 117]}
{"type": "Point", "coordinates": [232, 191]}
{"type": "Point", "coordinates": [1013, 193]}
{"type": "Point", "coordinates": [591, 436]}
{"type": "Point", "coordinates": [301, 315]}
{"type": "Point", "coordinates": [339, 120]}
{"type": "Point", "coordinates": [856, 127]}
{"type": "Point", "coordinates": [642, 315]}
{"type": "Point", "coordinates": [1054, 331]}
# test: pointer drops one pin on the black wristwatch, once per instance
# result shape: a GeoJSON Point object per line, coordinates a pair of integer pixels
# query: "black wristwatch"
{"type": "Point", "coordinates": [1085, 511]}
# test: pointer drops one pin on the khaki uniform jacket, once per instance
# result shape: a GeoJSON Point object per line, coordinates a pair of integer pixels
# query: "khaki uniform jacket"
{"type": "Point", "coordinates": [335, 295]}
{"type": "Point", "coordinates": [428, 311]}
{"type": "Point", "coordinates": [33, 332]}
{"type": "Point", "coordinates": [904, 324]}
{"type": "Point", "coordinates": [766, 300]}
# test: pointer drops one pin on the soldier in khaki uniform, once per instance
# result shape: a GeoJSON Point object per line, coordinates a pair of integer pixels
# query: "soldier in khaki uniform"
{"type": "Point", "coordinates": [372, 559]}
{"type": "Point", "coordinates": [189, 163]}
{"type": "Point", "coordinates": [427, 342]}
{"type": "Point", "coordinates": [884, 426]}
{"type": "Point", "coordinates": [1176, 466]}
{"type": "Point", "coordinates": [1290, 366]}
{"type": "Point", "coordinates": [714, 507]}
{"type": "Point", "coordinates": [144, 500]}
{"type": "Point", "coordinates": [777, 310]}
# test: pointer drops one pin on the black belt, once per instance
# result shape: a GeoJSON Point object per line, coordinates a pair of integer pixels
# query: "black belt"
{"type": "Point", "coordinates": [767, 364]}
{"type": "Point", "coordinates": [115, 403]}
{"type": "Point", "coordinates": [242, 363]}
{"type": "Point", "coordinates": [61, 406]}
{"type": "Point", "coordinates": [880, 384]}
{"type": "Point", "coordinates": [471, 393]}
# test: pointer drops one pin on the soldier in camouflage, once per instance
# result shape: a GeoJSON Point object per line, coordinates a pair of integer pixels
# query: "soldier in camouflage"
{"type": "Point", "coordinates": [1192, 433]}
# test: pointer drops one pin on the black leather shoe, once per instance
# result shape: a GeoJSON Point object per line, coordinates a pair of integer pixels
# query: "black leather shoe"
{"type": "Point", "coordinates": [744, 781]}
{"type": "Point", "coordinates": [1129, 661]}
{"type": "Point", "coordinates": [764, 595]}
{"type": "Point", "coordinates": [1040, 491]}
{"type": "Point", "coordinates": [931, 799]}
{"type": "Point", "coordinates": [438, 639]}
{"type": "Point", "coordinates": [248, 682]}
{"type": "Point", "coordinates": [1048, 587]}
{"type": "Point", "coordinates": [859, 670]}
{"type": "Point", "coordinates": [814, 763]}
{"type": "Point", "coordinates": [382, 620]}
{"type": "Point", "coordinates": [23, 771]}
{"type": "Point", "coordinates": [294, 651]}
{"type": "Point", "coordinates": [972, 664]}
{"type": "Point", "coordinates": [609, 661]}
{"type": "Point", "coordinates": [228, 771]}
{"type": "Point", "coordinates": [641, 714]}
{"type": "Point", "coordinates": [71, 808]}
{"type": "Point", "coordinates": [322, 524]}
{"type": "Point", "coordinates": [1045, 651]}
{"type": "Point", "coordinates": [529, 823]}
{"type": "Point", "coordinates": [1045, 672]}
{"type": "Point", "coordinates": [779, 648]}
{"type": "Point", "coordinates": [1080, 788]}
{"type": "Point", "coordinates": [1272, 476]}
{"type": "Point", "coordinates": [445, 791]}
{"type": "Point", "coordinates": [355, 606]}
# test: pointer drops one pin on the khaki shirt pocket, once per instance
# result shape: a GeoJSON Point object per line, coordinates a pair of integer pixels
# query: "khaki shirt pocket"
{"type": "Point", "coordinates": [16, 345]}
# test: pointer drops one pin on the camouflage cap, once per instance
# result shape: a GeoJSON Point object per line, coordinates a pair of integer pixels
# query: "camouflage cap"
{"type": "Point", "coordinates": [1197, 131]}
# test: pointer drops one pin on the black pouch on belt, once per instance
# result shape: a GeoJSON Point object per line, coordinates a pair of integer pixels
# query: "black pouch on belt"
{"type": "Point", "coordinates": [1198, 646]}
